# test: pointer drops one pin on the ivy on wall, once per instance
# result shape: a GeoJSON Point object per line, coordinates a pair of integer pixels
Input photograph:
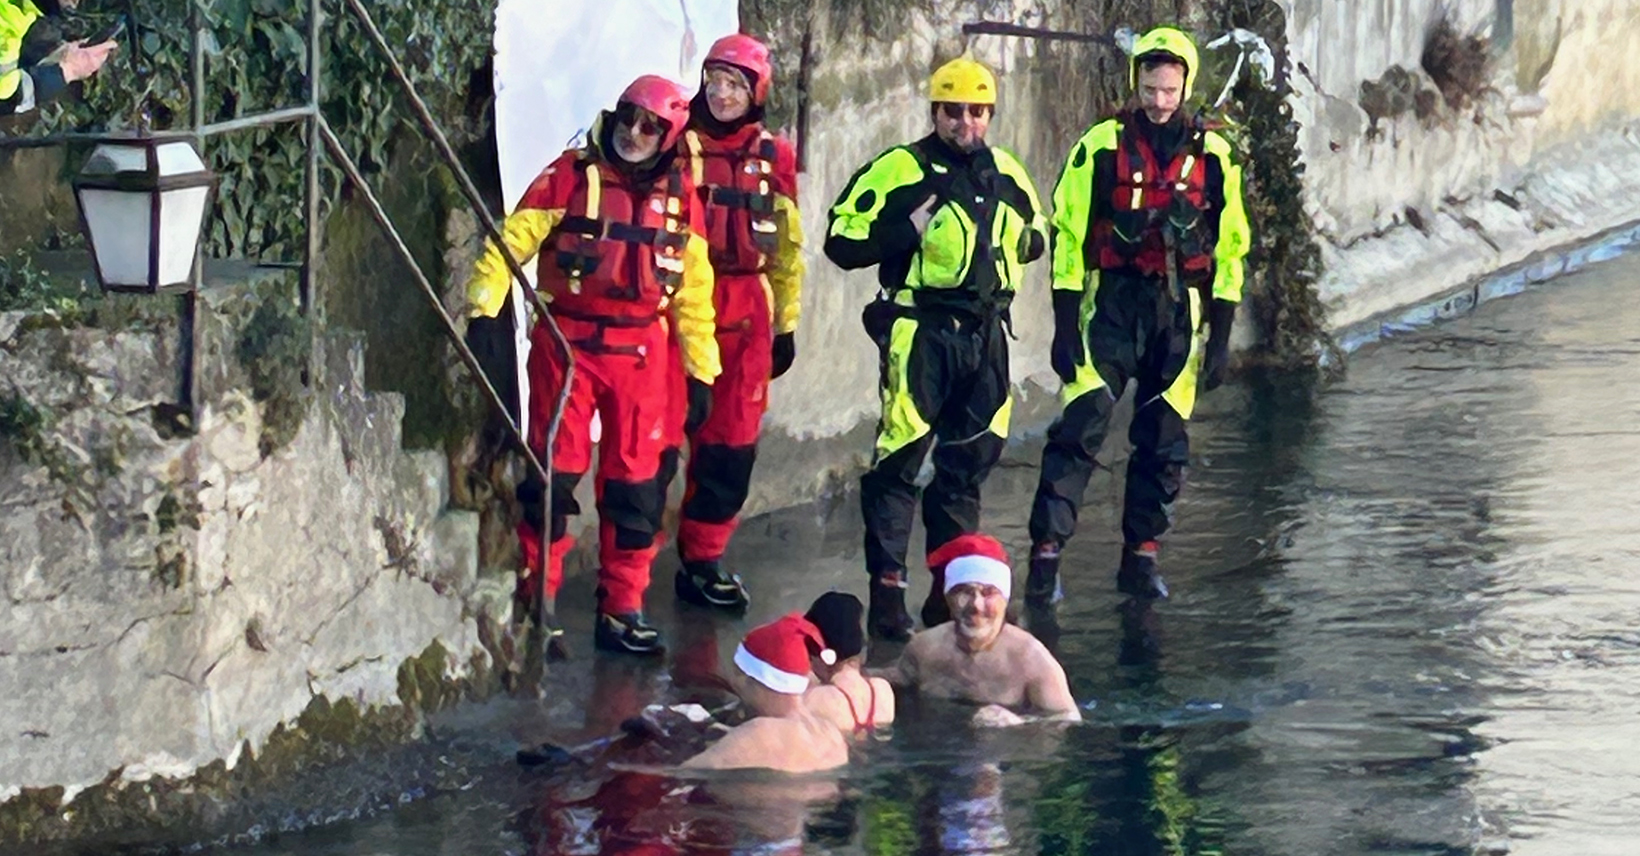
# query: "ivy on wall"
{"type": "Point", "coordinates": [1285, 263]}
{"type": "Point", "coordinates": [256, 60]}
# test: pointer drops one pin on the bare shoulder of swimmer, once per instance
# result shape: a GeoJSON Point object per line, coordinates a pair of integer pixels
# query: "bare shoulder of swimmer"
{"type": "Point", "coordinates": [926, 655]}
{"type": "Point", "coordinates": [829, 703]}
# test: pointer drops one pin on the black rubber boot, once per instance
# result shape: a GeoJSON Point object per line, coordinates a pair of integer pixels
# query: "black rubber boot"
{"type": "Point", "coordinates": [1138, 576]}
{"type": "Point", "coordinates": [706, 584]}
{"type": "Point", "coordinates": [1042, 587]}
{"type": "Point", "coordinates": [887, 617]}
{"type": "Point", "coordinates": [627, 633]}
{"type": "Point", "coordinates": [935, 611]}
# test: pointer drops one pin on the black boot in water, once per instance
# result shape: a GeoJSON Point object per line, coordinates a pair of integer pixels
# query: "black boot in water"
{"type": "Point", "coordinates": [887, 616]}
{"type": "Point", "coordinates": [1139, 576]}
{"type": "Point", "coordinates": [627, 633]}
{"type": "Point", "coordinates": [1042, 587]}
{"type": "Point", "coordinates": [935, 611]}
{"type": "Point", "coordinates": [706, 584]}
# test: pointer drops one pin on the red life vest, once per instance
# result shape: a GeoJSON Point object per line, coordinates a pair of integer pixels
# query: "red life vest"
{"type": "Point", "coordinates": [617, 256]}
{"type": "Point", "coordinates": [1144, 192]}
{"type": "Point", "coordinates": [734, 178]}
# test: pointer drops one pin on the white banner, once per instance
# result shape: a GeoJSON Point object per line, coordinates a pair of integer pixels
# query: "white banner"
{"type": "Point", "coordinates": [559, 62]}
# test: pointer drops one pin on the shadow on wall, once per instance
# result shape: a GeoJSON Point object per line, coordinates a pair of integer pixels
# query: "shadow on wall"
{"type": "Point", "coordinates": [366, 287]}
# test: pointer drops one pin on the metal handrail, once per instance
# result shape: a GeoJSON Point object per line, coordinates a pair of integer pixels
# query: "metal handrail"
{"type": "Point", "coordinates": [491, 228]}
{"type": "Point", "coordinates": [542, 469]}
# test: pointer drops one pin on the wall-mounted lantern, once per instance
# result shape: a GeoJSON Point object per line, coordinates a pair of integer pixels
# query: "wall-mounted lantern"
{"type": "Point", "coordinates": [142, 203]}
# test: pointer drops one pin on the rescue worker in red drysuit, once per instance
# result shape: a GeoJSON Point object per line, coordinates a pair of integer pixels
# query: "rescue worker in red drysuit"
{"type": "Point", "coordinates": [746, 178]}
{"type": "Point", "coordinates": [622, 263]}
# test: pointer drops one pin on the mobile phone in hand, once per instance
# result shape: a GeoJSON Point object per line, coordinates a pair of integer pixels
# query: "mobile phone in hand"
{"type": "Point", "coordinates": [107, 34]}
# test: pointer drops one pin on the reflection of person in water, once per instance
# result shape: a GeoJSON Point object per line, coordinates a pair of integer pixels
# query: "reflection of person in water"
{"type": "Point", "coordinates": [965, 812]}
{"type": "Point", "coordinates": [978, 656]}
{"type": "Point", "coordinates": [856, 704]}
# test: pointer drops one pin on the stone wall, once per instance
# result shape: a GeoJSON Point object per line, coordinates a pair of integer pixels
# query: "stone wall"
{"type": "Point", "coordinates": [1413, 195]}
{"type": "Point", "coordinates": [173, 600]}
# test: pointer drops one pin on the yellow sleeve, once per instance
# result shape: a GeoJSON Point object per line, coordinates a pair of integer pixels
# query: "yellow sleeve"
{"type": "Point", "coordinates": [1235, 233]}
{"type": "Point", "coordinates": [522, 232]}
{"type": "Point", "coordinates": [694, 314]}
{"type": "Point", "coordinates": [1073, 201]}
{"type": "Point", "coordinates": [786, 274]}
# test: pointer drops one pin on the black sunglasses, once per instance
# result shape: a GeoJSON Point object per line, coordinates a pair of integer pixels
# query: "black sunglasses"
{"type": "Point", "coordinates": [954, 111]}
{"type": "Point", "coordinates": [627, 114]}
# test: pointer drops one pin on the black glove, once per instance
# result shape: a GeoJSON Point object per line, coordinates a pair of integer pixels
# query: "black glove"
{"type": "Point", "coordinates": [785, 351]}
{"type": "Point", "coordinates": [878, 318]}
{"type": "Point", "coordinates": [1031, 246]}
{"type": "Point", "coordinates": [700, 405]}
{"type": "Point", "coordinates": [1068, 350]}
{"type": "Point", "coordinates": [1220, 316]}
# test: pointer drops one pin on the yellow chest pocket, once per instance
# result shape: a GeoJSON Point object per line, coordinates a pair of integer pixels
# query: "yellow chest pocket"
{"type": "Point", "coordinates": [947, 249]}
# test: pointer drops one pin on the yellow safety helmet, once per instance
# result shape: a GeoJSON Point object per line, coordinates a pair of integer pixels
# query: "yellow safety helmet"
{"type": "Point", "coordinates": [963, 81]}
{"type": "Point", "coordinates": [1165, 42]}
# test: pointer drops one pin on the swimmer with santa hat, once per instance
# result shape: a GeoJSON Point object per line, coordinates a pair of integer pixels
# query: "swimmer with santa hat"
{"type": "Point", "coordinates": [977, 656]}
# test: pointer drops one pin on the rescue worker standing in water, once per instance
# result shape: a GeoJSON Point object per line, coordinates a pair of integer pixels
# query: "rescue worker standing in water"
{"type": "Point", "coordinates": [623, 257]}
{"type": "Point", "coordinates": [950, 224]}
{"type": "Point", "coordinates": [746, 178]}
{"type": "Point", "coordinates": [1149, 236]}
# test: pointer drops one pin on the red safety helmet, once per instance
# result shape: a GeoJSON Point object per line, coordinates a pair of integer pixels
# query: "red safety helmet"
{"type": "Point", "coordinates": [748, 55]}
{"type": "Point", "coordinates": [666, 99]}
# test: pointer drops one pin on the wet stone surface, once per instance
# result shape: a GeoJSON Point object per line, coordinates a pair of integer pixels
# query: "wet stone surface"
{"type": "Point", "coordinates": [1403, 622]}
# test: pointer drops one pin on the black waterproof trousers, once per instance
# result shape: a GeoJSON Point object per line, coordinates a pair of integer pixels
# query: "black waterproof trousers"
{"type": "Point", "coordinates": [945, 387]}
{"type": "Point", "coordinates": [1136, 331]}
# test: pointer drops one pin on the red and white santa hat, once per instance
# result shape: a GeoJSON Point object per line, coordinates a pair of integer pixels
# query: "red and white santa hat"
{"type": "Point", "coordinates": [776, 654]}
{"type": "Point", "coordinates": [973, 559]}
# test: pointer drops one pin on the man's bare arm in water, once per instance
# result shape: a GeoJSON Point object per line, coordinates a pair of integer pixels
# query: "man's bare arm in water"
{"type": "Point", "coordinates": [1050, 693]}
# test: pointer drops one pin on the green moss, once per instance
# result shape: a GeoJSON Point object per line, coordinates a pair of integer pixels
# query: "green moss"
{"type": "Point", "coordinates": [275, 347]}
{"type": "Point", "coordinates": [28, 431]}
{"type": "Point", "coordinates": [23, 427]}
{"type": "Point", "coordinates": [165, 517]}
{"type": "Point", "coordinates": [170, 567]}
{"type": "Point", "coordinates": [370, 289]}
{"type": "Point", "coordinates": [421, 680]}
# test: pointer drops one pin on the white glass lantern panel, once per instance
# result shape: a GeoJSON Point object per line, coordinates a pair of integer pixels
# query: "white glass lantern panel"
{"type": "Point", "coordinates": [108, 160]}
{"type": "Point", "coordinates": [119, 226]}
{"type": "Point", "coordinates": [178, 158]}
{"type": "Point", "coordinates": [181, 212]}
